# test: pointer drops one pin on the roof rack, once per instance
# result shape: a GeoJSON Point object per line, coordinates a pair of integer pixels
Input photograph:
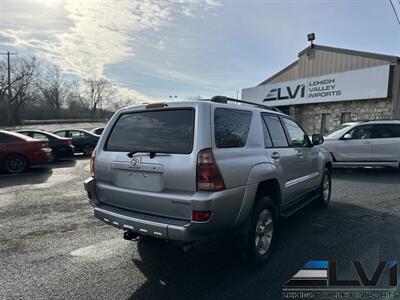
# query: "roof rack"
{"type": "Point", "coordinates": [224, 99]}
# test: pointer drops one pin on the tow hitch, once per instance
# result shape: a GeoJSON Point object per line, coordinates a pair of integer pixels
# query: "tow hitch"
{"type": "Point", "coordinates": [131, 236]}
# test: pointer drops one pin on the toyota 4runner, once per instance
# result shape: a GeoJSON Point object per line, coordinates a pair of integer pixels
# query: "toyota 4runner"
{"type": "Point", "coordinates": [192, 171]}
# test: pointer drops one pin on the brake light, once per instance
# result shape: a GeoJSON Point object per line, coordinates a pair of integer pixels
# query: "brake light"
{"type": "Point", "coordinates": [42, 144]}
{"type": "Point", "coordinates": [155, 105]}
{"type": "Point", "coordinates": [92, 159]}
{"type": "Point", "coordinates": [201, 216]}
{"type": "Point", "coordinates": [208, 175]}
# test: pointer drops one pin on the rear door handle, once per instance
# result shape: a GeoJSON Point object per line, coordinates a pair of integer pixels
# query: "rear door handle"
{"type": "Point", "coordinates": [299, 154]}
{"type": "Point", "coordinates": [275, 155]}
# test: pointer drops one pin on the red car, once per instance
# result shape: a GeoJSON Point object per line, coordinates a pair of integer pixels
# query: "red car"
{"type": "Point", "coordinates": [18, 151]}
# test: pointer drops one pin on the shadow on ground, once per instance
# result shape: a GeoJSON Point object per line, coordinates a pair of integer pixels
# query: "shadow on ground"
{"type": "Point", "coordinates": [32, 176]}
{"type": "Point", "coordinates": [343, 232]}
{"type": "Point", "coordinates": [373, 175]}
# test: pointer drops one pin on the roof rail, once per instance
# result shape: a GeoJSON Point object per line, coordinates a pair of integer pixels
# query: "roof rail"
{"type": "Point", "coordinates": [224, 99]}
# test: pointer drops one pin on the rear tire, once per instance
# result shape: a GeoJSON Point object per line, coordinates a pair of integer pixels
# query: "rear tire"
{"type": "Point", "coordinates": [16, 164]}
{"type": "Point", "coordinates": [262, 230]}
{"type": "Point", "coordinates": [324, 191]}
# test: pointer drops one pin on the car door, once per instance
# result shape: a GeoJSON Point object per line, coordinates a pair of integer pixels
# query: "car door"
{"type": "Point", "coordinates": [283, 156]}
{"type": "Point", "coordinates": [355, 145]}
{"type": "Point", "coordinates": [386, 142]}
{"type": "Point", "coordinates": [78, 138]}
{"type": "Point", "coordinates": [307, 157]}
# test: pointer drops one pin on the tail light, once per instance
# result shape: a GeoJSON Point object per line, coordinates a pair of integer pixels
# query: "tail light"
{"type": "Point", "coordinates": [208, 175]}
{"type": "Point", "coordinates": [92, 159]}
{"type": "Point", "coordinates": [201, 216]}
{"type": "Point", "coordinates": [42, 144]}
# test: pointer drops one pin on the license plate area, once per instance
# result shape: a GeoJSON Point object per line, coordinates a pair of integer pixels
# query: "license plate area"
{"type": "Point", "coordinates": [146, 177]}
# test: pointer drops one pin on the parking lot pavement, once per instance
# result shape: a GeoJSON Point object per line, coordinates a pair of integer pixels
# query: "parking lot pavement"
{"type": "Point", "coordinates": [51, 246]}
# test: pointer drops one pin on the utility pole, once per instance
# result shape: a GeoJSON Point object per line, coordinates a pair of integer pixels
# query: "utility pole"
{"type": "Point", "coordinates": [91, 101]}
{"type": "Point", "coordinates": [9, 86]}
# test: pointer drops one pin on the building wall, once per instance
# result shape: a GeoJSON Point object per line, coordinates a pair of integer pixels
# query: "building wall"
{"type": "Point", "coordinates": [310, 115]}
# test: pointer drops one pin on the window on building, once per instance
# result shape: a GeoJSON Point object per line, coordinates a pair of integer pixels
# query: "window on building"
{"type": "Point", "coordinates": [345, 117]}
{"type": "Point", "coordinates": [231, 127]}
{"type": "Point", "coordinates": [325, 123]}
{"type": "Point", "coordinates": [276, 131]}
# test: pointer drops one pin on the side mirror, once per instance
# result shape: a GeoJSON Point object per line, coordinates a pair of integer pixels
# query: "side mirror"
{"type": "Point", "coordinates": [347, 136]}
{"type": "Point", "coordinates": [317, 139]}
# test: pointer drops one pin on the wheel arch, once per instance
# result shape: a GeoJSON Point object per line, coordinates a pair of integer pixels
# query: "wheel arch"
{"type": "Point", "coordinates": [264, 180]}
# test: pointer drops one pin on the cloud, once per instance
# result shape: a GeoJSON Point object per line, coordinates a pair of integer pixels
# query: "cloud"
{"type": "Point", "coordinates": [91, 34]}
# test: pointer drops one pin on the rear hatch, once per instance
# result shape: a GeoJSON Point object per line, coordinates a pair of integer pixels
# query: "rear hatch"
{"type": "Point", "coordinates": [147, 161]}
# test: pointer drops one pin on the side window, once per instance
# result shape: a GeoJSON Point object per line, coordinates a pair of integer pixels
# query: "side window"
{"type": "Point", "coordinates": [297, 136]}
{"type": "Point", "coordinates": [267, 137]}
{"type": "Point", "coordinates": [384, 131]}
{"type": "Point", "coordinates": [4, 138]}
{"type": "Point", "coordinates": [231, 127]}
{"type": "Point", "coordinates": [61, 133]}
{"type": "Point", "coordinates": [40, 136]}
{"type": "Point", "coordinates": [76, 134]}
{"type": "Point", "coordinates": [276, 131]}
{"type": "Point", "coordinates": [361, 132]}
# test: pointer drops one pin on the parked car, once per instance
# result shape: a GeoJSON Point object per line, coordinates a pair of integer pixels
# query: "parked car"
{"type": "Point", "coordinates": [365, 143]}
{"type": "Point", "coordinates": [18, 152]}
{"type": "Point", "coordinates": [191, 171]}
{"type": "Point", "coordinates": [83, 141]}
{"type": "Point", "coordinates": [98, 130]}
{"type": "Point", "coordinates": [61, 147]}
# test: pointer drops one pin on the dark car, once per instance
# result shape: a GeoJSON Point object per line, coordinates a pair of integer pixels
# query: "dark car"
{"type": "Point", "coordinates": [61, 147]}
{"type": "Point", "coordinates": [98, 130]}
{"type": "Point", "coordinates": [84, 141]}
{"type": "Point", "coordinates": [18, 151]}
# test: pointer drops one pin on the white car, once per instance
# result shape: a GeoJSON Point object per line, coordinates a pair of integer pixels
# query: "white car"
{"type": "Point", "coordinates": [365, 143]}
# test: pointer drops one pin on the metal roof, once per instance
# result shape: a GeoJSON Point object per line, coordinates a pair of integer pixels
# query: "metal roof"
{"type": "Point", "coordinates": [388, 58]}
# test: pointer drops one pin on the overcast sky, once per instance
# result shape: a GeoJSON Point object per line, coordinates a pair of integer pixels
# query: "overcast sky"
{"type": "Point", "coordinates": [153, 49]}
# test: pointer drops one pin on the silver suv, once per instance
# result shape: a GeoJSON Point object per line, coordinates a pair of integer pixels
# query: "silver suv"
{"type": "Point", "coordinates": [365, 143]}
{"type": "Point", "coordinates": [192, 171]}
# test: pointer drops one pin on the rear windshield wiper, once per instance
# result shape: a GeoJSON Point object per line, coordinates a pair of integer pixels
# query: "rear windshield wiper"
{"type": "Point", "coordinates": [152, 153]}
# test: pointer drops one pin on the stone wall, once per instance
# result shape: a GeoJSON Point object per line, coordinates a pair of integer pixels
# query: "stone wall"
{"type": "Point", "coordinates": [310, 115]}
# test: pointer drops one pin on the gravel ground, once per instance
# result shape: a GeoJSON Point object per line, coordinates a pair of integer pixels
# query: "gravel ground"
{"type": "Point", "coordinates": [52, 247]}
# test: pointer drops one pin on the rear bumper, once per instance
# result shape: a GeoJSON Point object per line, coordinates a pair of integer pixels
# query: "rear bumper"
{"type": "Point", "coordinates": [40, 156]}
{"type": "Point", "coordinates": [67, 152]}
{"type": "Point", "coordinates": [224, 214]}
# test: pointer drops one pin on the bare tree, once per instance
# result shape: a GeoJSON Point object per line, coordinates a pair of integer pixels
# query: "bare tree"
{"type": "Point", "coordinates": [53, 87]}
{"type": "Point", "coordinates": [24, 73]}
{"type": "Point", "coordinates": [99, 91]}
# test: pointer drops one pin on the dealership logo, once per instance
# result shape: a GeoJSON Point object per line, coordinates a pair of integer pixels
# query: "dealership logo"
{"type": "Point", "coordinates": [311, 89]}
{"type": "Point", "coordinates": [279, 94]}
{"type": "Point", "coordinates": [318, 277]}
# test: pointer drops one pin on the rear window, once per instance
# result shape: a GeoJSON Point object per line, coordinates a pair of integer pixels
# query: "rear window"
{"type": "Point", "coordinates": [163, 131]}
{"type": "Point", "coordinates": [231, 127]}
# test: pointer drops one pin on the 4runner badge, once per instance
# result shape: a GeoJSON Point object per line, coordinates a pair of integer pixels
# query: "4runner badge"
{"type": "Point", "coordinates": [135, 162]}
